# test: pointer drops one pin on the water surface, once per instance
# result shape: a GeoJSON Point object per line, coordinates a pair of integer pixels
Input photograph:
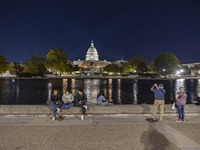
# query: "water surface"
{"type": "Point", "coordinates": [120, 91]}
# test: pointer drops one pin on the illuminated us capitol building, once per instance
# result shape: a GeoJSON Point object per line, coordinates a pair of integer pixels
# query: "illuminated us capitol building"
{"type": "Point", "coordinates": [91, 62]}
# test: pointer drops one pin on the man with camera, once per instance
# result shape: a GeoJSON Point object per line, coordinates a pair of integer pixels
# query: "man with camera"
{"type": "Point", "coordinates": [159, 94]}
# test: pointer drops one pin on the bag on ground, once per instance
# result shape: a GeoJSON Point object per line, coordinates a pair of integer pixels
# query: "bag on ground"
{"type": "Point", "coordinates": [173, 106]}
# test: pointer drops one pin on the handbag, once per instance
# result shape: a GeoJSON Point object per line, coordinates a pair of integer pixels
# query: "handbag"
{"type": "Point", "coordinates": [174, 106]}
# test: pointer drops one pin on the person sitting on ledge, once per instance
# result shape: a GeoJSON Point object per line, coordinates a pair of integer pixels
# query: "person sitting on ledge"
{"type": "Point", "coordinates": [197, 102]}
{"type": "Point", "coordinates": [67, 98]}
{"type": "Point", "coordinates": [101, 99]}
{"type": "Point", "coordinates": [55, 103]}
{"type": "Point", "coordinates": [81, 100]}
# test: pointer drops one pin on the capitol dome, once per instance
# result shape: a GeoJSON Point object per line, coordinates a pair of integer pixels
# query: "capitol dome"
{"type": "Point", "coordinates": [92, 53]}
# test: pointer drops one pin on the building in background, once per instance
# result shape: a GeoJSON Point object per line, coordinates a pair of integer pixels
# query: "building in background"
{"type": "Point", "coordinates": [91, 62]}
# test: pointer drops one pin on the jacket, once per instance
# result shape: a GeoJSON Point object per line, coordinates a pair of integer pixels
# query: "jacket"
{"type": "Point", "coordinates": [81, 98]}
{"type": "Point", "coordinates": [56, 98]}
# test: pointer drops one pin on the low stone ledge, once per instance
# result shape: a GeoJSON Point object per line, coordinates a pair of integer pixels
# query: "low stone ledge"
{"type": "Point", "coordinates": [93, 109]}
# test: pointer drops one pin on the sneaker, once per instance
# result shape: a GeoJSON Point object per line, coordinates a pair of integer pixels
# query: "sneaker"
{"type": "Point", "coordinates": [86, 107]}
{"type": "Point", "coordinates": [183, 120]}
{"type": "Point", "coordinates": [53, 118]}
{"type": "Point", "coordinates": [82, 117]}
{"type": "Point", "coordinates": [178, 120]}
{"type": "Point", "coordinates": [58, 109]}
{"type": "Point", "coordinates": [154, 120]}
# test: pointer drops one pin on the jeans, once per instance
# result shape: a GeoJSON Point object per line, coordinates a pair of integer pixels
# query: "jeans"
{"type": "Point", "coordinates": [181, 112]}
{"type": "Point", "coordinates": [103, 103]}
{"type": "Point", "coordinates": [54, 106]}
{"type": "Point", "coordinates": [158, 103]}
{"type": "Point", "coordinates": [69, 105]}
{"type": "Point", "coordinates": [83, 109]}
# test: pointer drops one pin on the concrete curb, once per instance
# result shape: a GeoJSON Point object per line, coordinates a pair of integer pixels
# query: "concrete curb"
{"type": "Point", "coordinates": [138, 110]}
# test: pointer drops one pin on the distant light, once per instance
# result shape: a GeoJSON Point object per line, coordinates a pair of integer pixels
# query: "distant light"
{"type": "Point", "coordinates": [164, 69]}
{"type": "Point", "coordinates": [178, 72]}
{"type": "Point", "coordinates": [135, 71]}
{"type": "Point", "coordinates": [181, 70]}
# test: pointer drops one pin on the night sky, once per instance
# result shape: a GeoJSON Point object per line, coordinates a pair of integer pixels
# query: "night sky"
{"type": "Point", "coordinates": [130, 28]}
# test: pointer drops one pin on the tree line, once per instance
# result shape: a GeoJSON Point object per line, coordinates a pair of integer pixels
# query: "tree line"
{"type": "Point", "coordinates": [57, 62]}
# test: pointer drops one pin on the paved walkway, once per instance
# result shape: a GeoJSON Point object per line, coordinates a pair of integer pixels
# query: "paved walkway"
{"type": "Point", "coordinates": [114, 132]}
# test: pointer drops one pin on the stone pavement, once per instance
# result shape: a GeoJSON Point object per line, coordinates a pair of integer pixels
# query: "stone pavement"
{"type": "Point", "coordinates": [105, 132]}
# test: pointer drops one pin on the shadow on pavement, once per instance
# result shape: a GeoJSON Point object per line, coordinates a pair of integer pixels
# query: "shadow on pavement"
{"type": "Point", "coordinates": [153, 140]}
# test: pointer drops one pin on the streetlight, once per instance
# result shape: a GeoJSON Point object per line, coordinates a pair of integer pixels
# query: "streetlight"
{"type": "Point", "coordinates": [164, 70]}
{"type": "Point", "coordinates": [178, 72]}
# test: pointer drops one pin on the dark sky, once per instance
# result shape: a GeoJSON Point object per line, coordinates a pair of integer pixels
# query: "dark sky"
{"type": "Point", "coordinates": [118, 27]}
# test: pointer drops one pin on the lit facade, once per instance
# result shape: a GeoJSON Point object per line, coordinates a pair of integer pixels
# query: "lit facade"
{"type": "Point", "coordinates": [92, 61]}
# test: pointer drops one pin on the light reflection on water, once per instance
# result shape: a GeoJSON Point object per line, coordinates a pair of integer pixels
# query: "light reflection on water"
{"type": "Point", "coordinates": [198, 88]}
{"type": "Point", "coordinates": [135, 92]}
{"type": "Point", "coordinates": [118, 91]}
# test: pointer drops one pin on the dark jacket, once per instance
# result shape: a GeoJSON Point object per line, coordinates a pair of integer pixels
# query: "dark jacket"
{"type": "Point", "coordinates": [81, 98]}
{"type": "Point", "coordinates": [56, 98]}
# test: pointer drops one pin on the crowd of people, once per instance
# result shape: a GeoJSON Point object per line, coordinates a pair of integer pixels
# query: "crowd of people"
{"type": "Point", "coordinates": [80, 100]}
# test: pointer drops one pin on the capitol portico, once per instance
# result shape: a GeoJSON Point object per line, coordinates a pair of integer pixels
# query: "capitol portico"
{"type": "Point", "coordinates": [92, 62]}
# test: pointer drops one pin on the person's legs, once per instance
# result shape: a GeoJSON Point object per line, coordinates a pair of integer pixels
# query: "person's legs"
{"type": "Point", "coordinates": [179, 112]}
{"type": "Point", "coordinates": [83, 109]}
{"type": "Point", "coordinates": [54, 106]}
{"type": "Point", "coordinates": [68, 105]}
{"type": "Point", "coordinates": [155, 107]}
{"type": "Point", "coordinates": [183, 112]}
{"type": "Point", "coordinates": [104, 103]}
{"type": "Point", "coordinates": [161, 104]}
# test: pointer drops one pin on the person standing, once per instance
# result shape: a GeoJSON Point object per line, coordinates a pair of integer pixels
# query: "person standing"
{"type": "Point", "coordinates": [159, 101]}
{"type": "Point", "coordinates": [67, 98]}
{"type": "Point", "coordinates": [181, 97]}
{"type": "Point", "coordinates": [81, 100]}
{"type": "Point", "coordinates": [55, 103]}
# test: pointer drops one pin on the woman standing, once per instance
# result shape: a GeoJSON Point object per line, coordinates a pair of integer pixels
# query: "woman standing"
{"type": "Point", "coordinates": [181, 97]}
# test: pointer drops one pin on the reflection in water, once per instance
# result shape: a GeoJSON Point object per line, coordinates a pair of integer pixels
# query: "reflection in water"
{"type": "Point", "coordinates": [135, 92]}
{"type": "Point", "coordinates": [192, 90]}
{"type": "Point", "coordinates": [105, 87]}
{"type": "Point", "coordinates": [179, 83]}
{"type": "Point", "coordinates": [110, 90]}
{"type": "Point", "coordinates": [91, 89]}
{"type": "Point", "coordinates": [119, 91]}
{"type": "Point", "coordinates": [172, 91]}
{"type": "Point", "coordinates": [17, 91]}
{"type": "Point", "coordinates": [65, 85]}
{"type": "Point", "coordinates": [49, 86]}
{"type": "Point", "coordinates": [73, 86]}
{"type": "Point", "coordinates": [198, 88]}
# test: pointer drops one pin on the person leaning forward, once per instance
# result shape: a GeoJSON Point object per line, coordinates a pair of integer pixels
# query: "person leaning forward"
{"type": "Point", "coordinates": [81, 100]}
{"type": "Point", "coordinates": [159, 94]}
